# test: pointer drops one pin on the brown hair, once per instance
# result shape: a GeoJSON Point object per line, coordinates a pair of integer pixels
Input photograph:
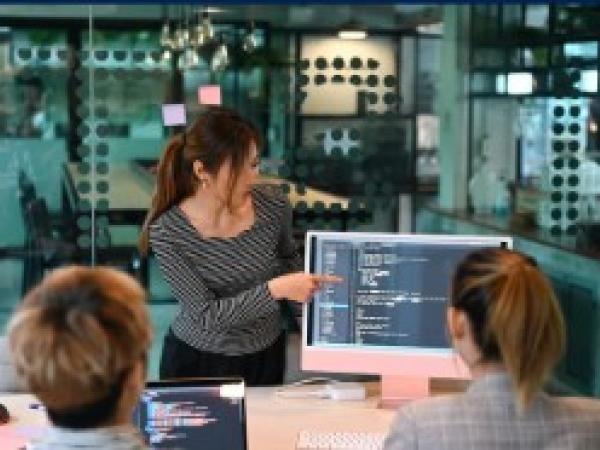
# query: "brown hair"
{"type": "Point", "coordinates": [514, 316]}
{"type": "Point", "coordinates": [76, 335]}
{"type": "Point", "coordinates": [217, 136]}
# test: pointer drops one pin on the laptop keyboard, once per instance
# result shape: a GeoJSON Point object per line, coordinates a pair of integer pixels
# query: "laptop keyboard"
{"type": "Point", "coordinates": [317, 440]}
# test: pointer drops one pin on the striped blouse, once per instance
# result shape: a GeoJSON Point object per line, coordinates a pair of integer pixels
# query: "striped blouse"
{"type": "Point", "coordinates": [221, 283]}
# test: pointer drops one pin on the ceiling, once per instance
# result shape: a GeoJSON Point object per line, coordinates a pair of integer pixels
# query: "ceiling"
{"type": "Point", "coordinates": [383, 17]}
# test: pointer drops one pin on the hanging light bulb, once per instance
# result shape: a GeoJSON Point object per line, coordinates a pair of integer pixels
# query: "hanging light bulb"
{"type": "Point", "coordinates": [181, 63]}
{"type": "Point", "coordinates": [220, 58]}
{"type": "Point", "coordinates": [249, 42]}
{"type": "Point", "coordinates": [165, 35]}
{"type": "Point", "coordinates": [199, 38]}
{"type": "Point", "coordinates": [186, 37]}
{"type": "Point", "coordinates": [190, 58]}
{"type": "Point", "coordinates": [206, 30]}
{"type": "Point", "coordinates": [179, 40]}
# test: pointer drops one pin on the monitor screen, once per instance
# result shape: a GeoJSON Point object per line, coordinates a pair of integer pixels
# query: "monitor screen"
{"type": "Point", "coordinates": [192, 414]}
{"type": "Point", "coordinates": [389, 313]}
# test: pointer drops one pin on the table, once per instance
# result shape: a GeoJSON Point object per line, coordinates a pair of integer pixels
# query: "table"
{"type": "Point", "coordinates": [273, 422]}
{"type": "Point", "coordinates": [131, 186]}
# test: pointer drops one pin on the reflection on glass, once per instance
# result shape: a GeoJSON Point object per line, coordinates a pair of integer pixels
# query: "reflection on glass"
{"type": "Point", "coordinates": [589, 81]}
{"type": "Point", "coordinates": [519, 83]}
{"type": "Point", "coordinates": [536, 16]}
{"type": "Point", "coordinates": [581, 49]}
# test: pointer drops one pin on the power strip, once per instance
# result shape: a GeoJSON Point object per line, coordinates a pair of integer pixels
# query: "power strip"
{"type": "Point", "coordinates": [334, 390]}
{"type": "Point", "coordinates": [346, 391]}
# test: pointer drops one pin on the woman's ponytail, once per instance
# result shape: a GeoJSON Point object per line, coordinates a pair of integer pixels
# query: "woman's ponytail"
{"type": "Point", "coordinates": [171, 187]}
{"type": "Point", "coordinates": [514, 316]}
{"type": "Point", "coordinates": [528, 327]}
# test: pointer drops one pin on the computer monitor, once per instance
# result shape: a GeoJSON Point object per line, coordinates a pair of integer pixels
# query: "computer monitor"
{"type": "Point", "coordinates": [193, 413]}
{"type": "Point", "coordinates": [388, 316]}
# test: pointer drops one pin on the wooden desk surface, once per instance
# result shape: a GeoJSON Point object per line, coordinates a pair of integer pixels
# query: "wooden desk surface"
{"type": "Point", "coordinates": [273, 423]}
{"type": "Point", "coordinates": [131, 187]}
{"type": "Point", "coordinates": [127, 189]}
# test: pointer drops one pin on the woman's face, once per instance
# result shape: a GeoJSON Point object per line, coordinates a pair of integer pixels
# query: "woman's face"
{"type": "Point", "coordinates": [245, 181]}
{"type": "Point", "coordinates": [248, 174]}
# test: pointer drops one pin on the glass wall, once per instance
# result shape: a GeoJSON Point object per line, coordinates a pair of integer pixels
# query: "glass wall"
{"type": "Point", "coordinates": [490, 118]}
{"type": "Point", "coordinates": [83, 92]}
{"type": "Point", "coordinates": [35, 233]}
{"type": "Point", "coordinates": [526, 77]}
{"type": "Point", "coordinates": [534, 109]}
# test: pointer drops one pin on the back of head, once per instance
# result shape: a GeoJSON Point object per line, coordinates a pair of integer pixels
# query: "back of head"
{"type": "Point", "coordinates": [76, 337]}
{"type": "Point", "coordinates": [514, 316]}
{"type": "Point", "coordinates": [219, 135]}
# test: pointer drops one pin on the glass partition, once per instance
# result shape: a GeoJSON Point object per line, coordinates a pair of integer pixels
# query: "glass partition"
{"type": "Point", "coordinates": [36, 232]}
{"type": "Point", "coordinates": [533, 142]}
{"type": "Point", "coordinates": [344, 123]}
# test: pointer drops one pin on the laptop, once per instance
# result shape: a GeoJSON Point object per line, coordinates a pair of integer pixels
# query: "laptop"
{"type": "Point", "coordinates": [194, 413]}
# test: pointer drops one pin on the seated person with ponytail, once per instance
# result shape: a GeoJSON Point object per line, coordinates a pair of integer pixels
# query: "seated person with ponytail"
{"type": "Point", "coordinates": [505, 323]}
{"type": "Point", "coordinates": [224, 245]}
{"type": "Point", "coordinates": [79, 341]}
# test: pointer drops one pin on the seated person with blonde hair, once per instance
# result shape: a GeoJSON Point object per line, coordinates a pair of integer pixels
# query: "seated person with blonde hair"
{"type": "Point", "coordinates": [80, 340]}
{"type": "Point", "coordinates": [505, 323]}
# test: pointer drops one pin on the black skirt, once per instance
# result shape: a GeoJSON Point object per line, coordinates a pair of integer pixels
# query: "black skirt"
{"type": "Point", "coordinates": [263, 368]}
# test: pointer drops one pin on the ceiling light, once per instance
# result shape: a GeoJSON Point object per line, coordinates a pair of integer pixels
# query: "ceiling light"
{"type": "Point", "coordinates": [165, 35]}
{"type": "Point", "coordinates": [179, 39]}
{"type": "Point", "coordinates": [220, 59]}
{"type": "Point", "coordinates": [249, 43]}
{"type": "Point", "coordinates": [191, 58]}
{"type": "Point", "coordinates": [210, 10]}
{"type": "Point", "coordinates": [352, 30]}
{"type": "Point", "coordinates": [206, 28]}
{"type": "Point", "coordinates": [352, 34]}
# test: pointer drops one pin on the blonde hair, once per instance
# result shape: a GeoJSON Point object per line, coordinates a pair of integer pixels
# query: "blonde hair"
{"type": "Point", "coordinates": [77, 333]}
{"type": "Point", "coordinates": [514, 315]}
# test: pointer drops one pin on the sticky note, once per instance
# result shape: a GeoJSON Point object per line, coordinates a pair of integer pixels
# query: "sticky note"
{"type": "Point", "coordinates": [209, 94]}
{"type": "Point", "coordinates": [173, 114]}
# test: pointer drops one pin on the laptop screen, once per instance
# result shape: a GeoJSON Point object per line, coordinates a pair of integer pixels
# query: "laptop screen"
{"type": "Point", "coordinates": [193, 414]}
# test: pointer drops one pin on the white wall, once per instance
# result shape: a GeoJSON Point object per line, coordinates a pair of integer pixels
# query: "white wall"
{"type": "Point", "coordinates": [341, 98]}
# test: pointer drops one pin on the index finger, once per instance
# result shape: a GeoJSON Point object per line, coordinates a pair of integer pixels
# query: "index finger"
{"type": "Point", "coordinates": [327, 278]}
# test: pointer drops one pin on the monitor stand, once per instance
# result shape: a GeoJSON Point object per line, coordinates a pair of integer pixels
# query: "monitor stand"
{"type": "Point", "coordinates": [398, 390]}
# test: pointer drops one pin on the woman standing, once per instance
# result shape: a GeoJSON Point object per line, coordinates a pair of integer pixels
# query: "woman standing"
{"type": "Point", "coordinates": [225, 247]}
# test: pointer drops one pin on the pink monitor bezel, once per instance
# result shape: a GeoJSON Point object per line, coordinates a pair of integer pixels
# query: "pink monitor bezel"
{"type": "Point", "coordinates": [409, 362]}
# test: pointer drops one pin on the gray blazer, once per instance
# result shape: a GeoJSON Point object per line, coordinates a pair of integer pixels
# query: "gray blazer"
{"type": "Point", "coordinates": [485, 418]}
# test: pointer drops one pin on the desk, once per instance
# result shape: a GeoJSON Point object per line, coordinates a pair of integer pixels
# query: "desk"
{"type": "Point", "coordinates": [131, 187]}
{"type": "Point", "coordinates": [273, 422]}
{"type": "Point", "coordinates": [129, 193]}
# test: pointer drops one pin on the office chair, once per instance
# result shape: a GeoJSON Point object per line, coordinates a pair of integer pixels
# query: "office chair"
{"type": "Point", "coordinates": [44, 246]}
